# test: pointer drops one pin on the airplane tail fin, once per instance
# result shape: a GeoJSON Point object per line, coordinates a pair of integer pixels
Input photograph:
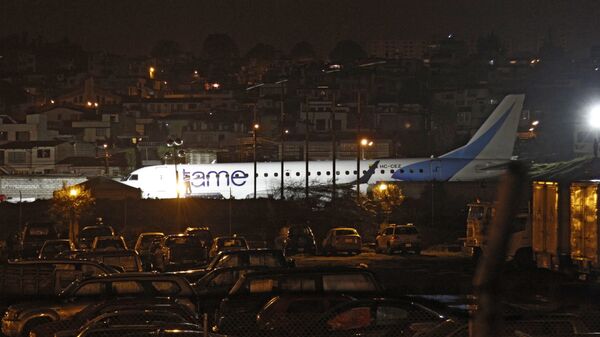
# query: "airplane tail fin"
{"type": "Point", "coordinates": [495, 139]}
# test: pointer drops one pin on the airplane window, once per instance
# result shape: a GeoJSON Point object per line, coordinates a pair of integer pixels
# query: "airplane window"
{"type": "Point", "coordinates": [256, 175]}
{"type": "Point", "coordinates": [297, 174]}
{"type": "Point", "coordinates": [337, 173]}
{"type": "Point", "coordinates": [411, 171]}
{"type": "Point", "coordinates": [276, 174]}
{"type": "Point", "coordinates": [133, 177]}
{"type": "Point", "coordinates": [318, 173]}
{"type": "Point", "coordinates": [364, 171]}
{"type": "Point", "coordinates": [347, 172]}
{"type": "Point", "coordinates": [382, 171]}
{"type": "Point", "coordinates": [355, 171]}
{"type": "Point", "coordinates": [391, 171]}
{"type": "Point", "coordinates": [287, 174]}
{"type": "Point", "coordinates": [266, 174]}
{"type": "Point", "coordinates": [328, 173]}
{"type": "Point", "coordinates": [308, 172]}
{"type": "Point", "coordinates": [420, 170]}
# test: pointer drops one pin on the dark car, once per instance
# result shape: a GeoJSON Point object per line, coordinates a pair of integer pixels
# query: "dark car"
{"type": "Point", "coordinates": [374, 317]}
{"type": "Point", "coordinates": [299, 239]}
{"type": "Point", "coordinates": [237, 312]}
{"type": "Point", "coordinates": [289, 312]}
{"type": "Point", "coordinates": [132, 318]}
{"type": "Point", "coordinates": [107, 306]}
{"type": "Point", "coordinates": [21, 318]}
{"type": "Point", "coordinates": [202, 233]}
{"type": "Point", "coordinates": [53, 248]}
{"type": "Point", "coordinates": [33, 237]}
{"type": "Point", "coordinates": [143, 247]}
{"type": "Point", "coordinates": [123, 260]}
{"type": "Point", "coordinates": [89, 233]}
{"type": "Point", "coordinates": [179, 251]}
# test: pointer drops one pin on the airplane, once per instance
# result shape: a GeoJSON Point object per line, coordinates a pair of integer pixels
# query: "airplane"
{"type": "Point", "coordinates": [485, 156]}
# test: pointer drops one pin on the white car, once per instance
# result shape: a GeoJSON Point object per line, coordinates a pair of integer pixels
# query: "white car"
{"type": "Point", "coordinates": [342, 239]}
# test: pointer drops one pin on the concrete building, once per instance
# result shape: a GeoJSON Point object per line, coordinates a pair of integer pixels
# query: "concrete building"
{"type": "Point", "coordinates": [33, 157]}
{"type": "Point", "coordinates": [398, 49]}
{"type": "Point", "coordinates": [35, 128]}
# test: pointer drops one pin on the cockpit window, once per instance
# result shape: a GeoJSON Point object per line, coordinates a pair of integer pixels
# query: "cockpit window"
{"type": "Point", "coordinates": [133, 177]}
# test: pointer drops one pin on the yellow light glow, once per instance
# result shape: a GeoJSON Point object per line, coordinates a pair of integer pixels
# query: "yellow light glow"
{"type": "Point", "coordinates": [256, 126]}
{"type": "Point", "coordinates": [52, 101]}
{"type": "Point", "coordinates": [181, 188]}
{"type": "Point", "coordinates": [382, 187]}
{"type": "Point", "coordinates": [364, 142]}
{"type": "Point", "coordinates": [535, 123]}
{"type": "Point", "coordinates": [151, 71]}
{"type": "Point", "coordinates": [89, 103]}
{"type": "Point", "coordinates": [73, 192]}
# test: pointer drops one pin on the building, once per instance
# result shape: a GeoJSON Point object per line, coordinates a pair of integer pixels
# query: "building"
{"type": "Point", "coordinates": [35, 128]}
{"type": "Point", "coordinates": [398, 49]}
{"type": "Point", "coordinates": [33, 157]}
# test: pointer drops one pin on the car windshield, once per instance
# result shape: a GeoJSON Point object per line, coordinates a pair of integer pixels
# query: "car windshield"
{"type": "Point", "coordinates": [189, 241]}
{"type": "Point", "coordinates": [406, 230]}
{"type": "Point", "coordinates": [231, 243]}
{"type": "Point", "coordinates": [147, 240]}
{"type": "Point", "coordinates": [299, 231]}
{"type": "Point", "coordinates": [57, 247]}
{"type": "Point", "coordinates": [345, 232]}
{"type": "Point", "coordinates": [110, 243]}
{"type": "Point", "coordinates": [90, 233]}
{"type": "Point", "coordinates": [201, 234]}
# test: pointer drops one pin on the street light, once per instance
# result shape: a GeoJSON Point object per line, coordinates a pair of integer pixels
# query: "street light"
{"type": "Point", "coordinates": [175, 144]}
{"type": "Point", "coordinates": [105, 147]}
{"type": "Point", "coordinates": [363, 144]}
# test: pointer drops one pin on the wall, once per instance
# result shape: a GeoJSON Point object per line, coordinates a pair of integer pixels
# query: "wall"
{"type": "Point", "coordinates": [35, 186]}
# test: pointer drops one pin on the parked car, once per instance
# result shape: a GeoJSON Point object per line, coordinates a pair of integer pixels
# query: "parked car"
{"type": "Point", "coordinates": [227, 244]}
{"type": "Point", "coordinates": [374, 317]}
{"type": "Point", "coordinates": [114, 242]}
{"type": "Point", "coordinates": [130, 318]}
{"type": "Point", "coordinates": [268, 258]}
{"type": "Point", "coordinates": [299, 239]}
{"type": "Point", "coordinates": [33, 237]}
{"type": "Point", "coordinates": [402, 238]}
{"type": "Point", "coordinates": [89, 233]}
{"type": "Point", "coordinates": [21, 318]}
{"type": "Point", "coordinates": [37, 279]}
{"type": "Point", "coordinates": [290, 312]}
{"type": "Point", "coordinates": [178, 251]}
{"type": "Point", "coordinates": [123, 260]}
{"type": "Point", "coordinates": [342, 239]}
{"type": "Point", "coordinates": [107, 306]}
{"type": "Point", "coordinates": [237, 312]}
{"type": "Point", "coordinates": [51, 249]}
{"type": "Point", "coordinates": [143, 245]}
{"type": "Point", "coordinates": [202, 233]}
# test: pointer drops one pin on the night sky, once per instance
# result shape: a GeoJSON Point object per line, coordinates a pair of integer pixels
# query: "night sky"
{"type": "Point", "coordinates": [132, 27]}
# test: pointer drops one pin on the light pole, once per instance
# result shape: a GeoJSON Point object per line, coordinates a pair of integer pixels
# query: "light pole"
{"type": "Point", "coordinates": [594, 123]}
{"type": "Point", "coordinates": [175, 155]}
{"type": "Point", "coordinates": [255, 128]}
{"type": "Point", "coordinates": [284, 132]}
{"type": "Point", "coordinates": [363, 144]}
{"type": "Point", "coordinates": [73, 226]}
{"type": "Point", "coordinates": [105, 147]}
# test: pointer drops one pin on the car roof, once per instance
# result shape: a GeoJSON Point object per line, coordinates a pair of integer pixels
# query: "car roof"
{"type": "Point", "coordinates": [57, 240]}
{"type": "Point", "coordinates": [180, 235]}
{"type": "Point", "coordinates": [251, 251]}
{"type": "Point", "coordinates": [96, 226]}
{"type": "Point", "coordinates": [151, 233]}
{"type": "Point", "coordinates": [107, 237]}
{"type": "Point", "coordinates": [132, 276]}
{"type": "Point", "coordinates": [230, 237]}
{"type": "Point", "coordinates": [308, 270]}
{"type": "Point", "coordinates": [342, 228]}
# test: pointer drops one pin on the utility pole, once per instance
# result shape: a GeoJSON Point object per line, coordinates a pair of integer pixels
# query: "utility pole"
{"type": "Point", "coordinates": [333, 146]}
{"type": "Point", "coordinates": [358, 148]}
{"type": "Point", "coordinates": [283, 134]}
{"type": "Point", "coordinates": [306, 122]}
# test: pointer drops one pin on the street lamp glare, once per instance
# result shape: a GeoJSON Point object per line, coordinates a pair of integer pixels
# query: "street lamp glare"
{"type": "Point", "coordinates": [364, 142]}
{"type": "Point", "coordinates": [178, 142]}
{"type": "Point", "coordinates": [382, 187]}
{"type": "Point", "coordinates": [73, 192]}
{"type": "Point", "coordinates": [594, 117]}
{"type": "Point", "coordinates": [256, 126]}
{"type": "Point", "coordinates": [370, 143]}
{"type": "Point", "coordinates": [535, 123]}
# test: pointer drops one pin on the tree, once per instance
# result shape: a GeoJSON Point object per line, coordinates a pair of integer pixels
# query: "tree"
{"type": "Point", "coordinates": [166, 49]}
{"type": "Point", "coordinates": [347, 51]}
{"type": "Point", "coordinates": [303, 51]}
{"type": "Point", "coordinates": [387, 197]}
{"type": "Point", "coordinates": [219, 47]}
{"type": "Point", "coordinates": [68, 204]}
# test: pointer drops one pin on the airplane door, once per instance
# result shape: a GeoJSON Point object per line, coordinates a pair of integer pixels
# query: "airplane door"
{"type": "Point", "coordinates": [436, 170]}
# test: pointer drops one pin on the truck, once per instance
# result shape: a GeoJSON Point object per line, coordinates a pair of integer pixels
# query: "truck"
{"type": "Point", "coordinates": [479, 219]}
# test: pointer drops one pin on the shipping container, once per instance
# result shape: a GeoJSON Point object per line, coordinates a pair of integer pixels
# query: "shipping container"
{"type": "Point", "coordinates": [550, 224]}
{"type": "Point", "coordinates": [584, 226]}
